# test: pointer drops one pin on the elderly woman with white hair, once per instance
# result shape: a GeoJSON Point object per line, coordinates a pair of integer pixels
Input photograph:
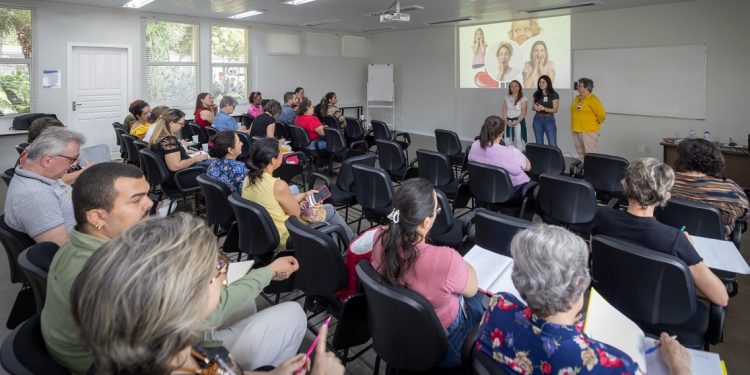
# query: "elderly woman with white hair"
{"type": "Point", "coordinates": [551, 274]}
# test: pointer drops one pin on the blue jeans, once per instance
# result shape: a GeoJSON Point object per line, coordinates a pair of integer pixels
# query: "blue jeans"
{"type": "Point", "coordinates": [317, 145]}
{"type": "Point", "coordinates": [470, 311]}
{"type": "Point", "coordinates": [545, 125]}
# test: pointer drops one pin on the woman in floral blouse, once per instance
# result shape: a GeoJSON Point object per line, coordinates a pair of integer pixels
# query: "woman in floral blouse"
{"type": "Point", "coordinates": [551, 274]}
{"type": "Point", "coordinates": [224, 167]}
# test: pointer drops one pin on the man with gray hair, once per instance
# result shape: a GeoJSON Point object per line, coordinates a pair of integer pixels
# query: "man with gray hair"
{"type": "Point", "coordinates": [223, 121]}
{"type": "Point", "coordinates": [38, 203]}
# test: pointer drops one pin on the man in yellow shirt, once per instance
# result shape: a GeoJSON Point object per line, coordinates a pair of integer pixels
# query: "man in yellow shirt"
{"type": "Point", "coordinates": [586, 117]}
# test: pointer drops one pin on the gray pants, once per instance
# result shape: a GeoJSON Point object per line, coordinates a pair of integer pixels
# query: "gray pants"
{"type": "Point", "coordinates": [333, 217]}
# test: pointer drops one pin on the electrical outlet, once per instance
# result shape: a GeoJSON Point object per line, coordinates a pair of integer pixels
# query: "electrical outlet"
{"type": "Point", "coordinates": [641, 148]}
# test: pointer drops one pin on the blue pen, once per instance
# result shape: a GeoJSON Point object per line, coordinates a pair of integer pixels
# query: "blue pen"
{"type": "Point", "coordinates": [657, 346]}
{"type": "Point", "coordinates": [682, 229]}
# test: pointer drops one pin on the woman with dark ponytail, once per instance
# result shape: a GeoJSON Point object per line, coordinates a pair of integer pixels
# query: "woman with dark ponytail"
{"type": "Point", "coordinates": [224, 167]}
{"type": "Point", "coordinates": [274, 194]}
{"type": "Point", "coordinates": [328, 107]}
{"type": "Point", "coordinates": [488, 150]}
{"type": "Point", "coordinates": [438, 273]}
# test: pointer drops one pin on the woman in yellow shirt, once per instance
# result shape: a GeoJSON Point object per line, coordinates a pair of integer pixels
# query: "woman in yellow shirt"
{"type": "Point", "coordinates": [586, 117]}
{"type": "Point", "coordinates": [141, 111]}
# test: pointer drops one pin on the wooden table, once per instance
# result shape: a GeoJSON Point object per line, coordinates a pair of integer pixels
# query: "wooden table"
{"type": "Point", "coordinates": [737, 160]}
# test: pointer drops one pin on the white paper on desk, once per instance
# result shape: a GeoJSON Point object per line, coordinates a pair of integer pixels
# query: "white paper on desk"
{"type": "Point", "coordinates": [606, 324]}
{"type": "Point", "coordinates": [701, 363]}
{"type": "Point", "coordinates": [493, 270]}
{"type": "Point", "coordinates": [721, 255]}
{"type": "Point", "coordinates": [237, 270]}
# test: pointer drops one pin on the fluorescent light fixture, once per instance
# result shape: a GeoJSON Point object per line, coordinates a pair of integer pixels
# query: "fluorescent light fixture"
{"type": "Point", "coordinates": [137, 3]}
{"type": "Point", "coordinates": [450, 21]}
{"type": "Point", "coordinates": [321, 22]}
{"type": "Point", "coordinates": [378, 29]}
{"type": "Point", "coordinates": [249, 13]}
{"type": "Point", "coordinates": [297, 2]}
{"type": "Point", "coordinates": [561, 7]}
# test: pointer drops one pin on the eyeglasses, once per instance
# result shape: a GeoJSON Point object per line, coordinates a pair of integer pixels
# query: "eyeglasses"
{"type": "Point", "coordinates": [181, 123]}
{"type": "Point", "coordinates": [71, 159]}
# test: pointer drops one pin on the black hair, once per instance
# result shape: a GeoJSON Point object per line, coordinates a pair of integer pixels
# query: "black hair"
{"type": "Point", "coordinates": [492, 128]}
{"type": "Point", "coordinates": [39, 125]}
{"type": "Point", "coordinates": [298, 89]}
{"type": "Point", "coordinates": [288, 96]}
{"type": "Point", "coordinates": [253, 95]}
{"type": "Point", "coordinates": [699, 155]}
{"type": "Point", "coordinates": [538, 94]}
{"type": "Point", "coordinates": [262, 152]}
{"type": "Point", "coordinates": [303, 106]}
{"type": "Point", "coordinates": [324, 103]}
{"type": "Point", "coordinates": [223, 141]}
{"type": "Point", "coordinates": [415, 202]}
{"type": "Point", "coordinates": [95, 187]}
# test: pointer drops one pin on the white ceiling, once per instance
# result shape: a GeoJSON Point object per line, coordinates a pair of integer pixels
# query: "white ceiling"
{"type": "Point", "coordinates": [350, 12]}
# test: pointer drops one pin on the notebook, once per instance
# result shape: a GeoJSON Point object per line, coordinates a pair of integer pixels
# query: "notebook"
{"type": "Point", "coordinates": [493, 270]}
{"type": "Point", "coordinates": [237, 270]}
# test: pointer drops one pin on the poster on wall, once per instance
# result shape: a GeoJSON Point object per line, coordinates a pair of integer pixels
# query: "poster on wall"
{"type": "Point", "coordinates": [51, 79]}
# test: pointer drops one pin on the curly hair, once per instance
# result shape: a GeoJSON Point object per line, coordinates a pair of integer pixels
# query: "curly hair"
{"type": "Point", "coordinates": [699, 155]}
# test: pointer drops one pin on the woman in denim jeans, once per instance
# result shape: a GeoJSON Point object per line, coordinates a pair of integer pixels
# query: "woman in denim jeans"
{"type": "Point", "coordinates": [546, 103]}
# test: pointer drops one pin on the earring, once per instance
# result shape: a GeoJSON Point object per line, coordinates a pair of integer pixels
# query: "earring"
{"type": "Point", "coordinates": [224, 283]}
{"type": "Point", "coordinates": [98, 226]}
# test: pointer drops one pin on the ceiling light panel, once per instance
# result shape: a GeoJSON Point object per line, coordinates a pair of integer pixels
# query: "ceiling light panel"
{"type": "Point", "coordinates": [297, 2]}
{"type": "Point", "coordinates": [137, 3]}
{"type": "Point", "coordinates": [249, 13]}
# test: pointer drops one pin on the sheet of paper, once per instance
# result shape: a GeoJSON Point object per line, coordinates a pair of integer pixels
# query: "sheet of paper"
{"type": "Point", "coordinates": [721, 255]}
{"type": "Point", "coordinates": [608, 325]}
{"type": "Point", "coordinates": [489, 267]}
{"type": "Point", "coordinates": [238, 269]}
{"type": "Point", "coordinates": [702, 362]}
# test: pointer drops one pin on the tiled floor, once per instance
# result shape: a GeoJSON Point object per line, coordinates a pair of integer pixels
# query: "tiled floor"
{"type": "Point", "coordinates": [734, 350]}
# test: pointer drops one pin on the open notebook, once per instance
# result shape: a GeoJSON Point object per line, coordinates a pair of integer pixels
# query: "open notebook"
{"type": "Point", "coordinates": [606, 324]}
{"type": "Point", "coordinates": [238, 269]}
{"type": "Point", "coordinates": [493, 270]}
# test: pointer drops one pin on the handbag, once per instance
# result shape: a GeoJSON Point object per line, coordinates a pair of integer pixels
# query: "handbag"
{"type": "Point", "coordinates": [312, 213]}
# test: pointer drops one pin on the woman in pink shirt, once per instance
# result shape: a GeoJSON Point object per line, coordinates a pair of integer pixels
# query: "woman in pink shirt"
{"type": "Point", "coordinates": [489, 150]}
{"type": "Point", "coordinates": [256, 104]}
{"type": "Point", "coordinates": [438, 273]}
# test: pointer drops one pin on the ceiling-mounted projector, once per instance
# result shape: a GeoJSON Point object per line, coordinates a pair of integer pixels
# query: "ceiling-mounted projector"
{"type": "Point", "coordinates": [395, 17]}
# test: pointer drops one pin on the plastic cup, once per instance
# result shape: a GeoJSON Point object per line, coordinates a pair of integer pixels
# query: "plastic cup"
{"type": "Point", "coordinates": [204, 147]}
{"type": "Point", "coordinates": [195, 139]}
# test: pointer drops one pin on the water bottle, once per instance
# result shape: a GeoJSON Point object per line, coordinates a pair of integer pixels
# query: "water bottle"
{"type": "Point", "coordinates": [692, 133]}
{"type": "Point", "coordinates": [707, 135]}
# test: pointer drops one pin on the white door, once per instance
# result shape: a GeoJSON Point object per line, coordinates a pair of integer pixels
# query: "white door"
{"type": "Point", "coordinates": [99, 93]}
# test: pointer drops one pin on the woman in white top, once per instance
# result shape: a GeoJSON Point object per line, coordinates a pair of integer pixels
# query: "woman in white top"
{"type": "Point", "coordinates": [514, 115]}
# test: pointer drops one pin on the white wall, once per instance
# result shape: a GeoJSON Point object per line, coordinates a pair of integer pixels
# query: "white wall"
{"type": "Point", "coordinates": [427, 96]}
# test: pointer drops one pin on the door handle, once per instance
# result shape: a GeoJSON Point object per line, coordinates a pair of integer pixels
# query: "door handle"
{"type": "Point", "coordinates": [76, 105]}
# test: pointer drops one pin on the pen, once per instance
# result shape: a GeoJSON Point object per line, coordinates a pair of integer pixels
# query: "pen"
{"type": "Point", "coordinates": [657, 346]}
{"type": "Point", "coordinates": [682, 229]}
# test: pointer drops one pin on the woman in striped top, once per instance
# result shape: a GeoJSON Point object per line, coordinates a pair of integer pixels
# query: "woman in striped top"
{"type": "Point", "coordinates": [698, 166]}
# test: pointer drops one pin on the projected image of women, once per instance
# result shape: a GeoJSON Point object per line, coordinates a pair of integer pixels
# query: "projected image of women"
{"type": "Point", "coordinates": [478, 47]}
{"type": "Point", "coordinates": [539, 64]}
{"type": "Point", "coordinates": [505, 72]}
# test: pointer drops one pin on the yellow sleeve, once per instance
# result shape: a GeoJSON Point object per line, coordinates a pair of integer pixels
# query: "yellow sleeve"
{"type": "Point", "coordinates": [598, 109]}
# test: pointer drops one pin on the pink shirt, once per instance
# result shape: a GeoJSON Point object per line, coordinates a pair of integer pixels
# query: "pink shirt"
{"type": "Point", "coordinates": [439, 274]}
{"type": "Point", "coordinates": [507, 157]}
{"type": "Point", "coordinates": [255, 111]}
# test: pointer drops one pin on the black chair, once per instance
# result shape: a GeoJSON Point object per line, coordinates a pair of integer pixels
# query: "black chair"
{"type": "Point", "coordinates": [287, 171]}
{"type": "Point", "coordinates": [24, 351]}
{"type": "Point", "coordinates": [35, 262]}
{"type": "Point", "coordinates": [14, 243]}
{"type": "Point", "coordinates": [123, 148]}
{"type": "Point", "coordinates": [184, 184]}
{"type": "Point", "coordinates": [700, 219]}
{"type": "Point", "coordinates": [392, 158]}
{"type": "Point", "coordinates": [492, 189]}
{"type": "Point", "coordinates": [544, 159]}
{"type": "Point", "coordinates": [300, 141]}
{"type": "Point", "coordinates": [187, 130]}
{"type": "Point", "coordinates": [449, 144]}
{"type": "Point", "coordinates": [246, 120]}
{"type": "Point", "coordinates": [381, 131]}
{"type": "Point", "coordinates": [338, 149]}
{"type": "Point", "coordinates": [342, 195]}
{"type": "Point", "coordinates": [406, 332]}
{"type": "Point", "coordinates": [21, 147]}
{"type": "Point", "coordinates": [200, 132]}
{"type": "Point", "coordinates": [140, 145]}
{"type": "Point", "coordinates": [211, 132]}
{"type": "Point", "coordinates": [605, 174]}
{"type": "Point", "coordinates": [493, 231]}
{"type": "Point", "coordinates": [280, 130]}
{"type": "Point", "coordinates": [660, 298]}
{"type": "Point", "coordinates": [7, 175]}
{"type": "Point", "coordinates": [566, 201]}
{"type": "Point", "coordinates": [321, 274]}
{"type": "Point", "coordinates": [219, 212]}
{"type": "Point", "coordinates": [374, 192]}
{"type": "Point", "coordinates": [482, 364]}
{"type": "Point", "coordinates": [247, 141]}
{"type": "Point", "coordinates": [330, 122]}
{"type": "Point", "coordinates": [132, 155]}
{"type": "Point", "coordinates": [317, 113]}
{"type": "Point", "coordinates": [447, 230]}
{"type": "Point", "coordinates": [436, 168]}
{"type": "Point", "coordinates": [354, 130]}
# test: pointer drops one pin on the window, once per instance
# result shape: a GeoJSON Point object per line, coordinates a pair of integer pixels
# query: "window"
{"type": "Point", "coordinates": [15, 61]}
{"type": "Point", "coordinates": [229, 62]}
{"type": "Point", "coordinates": [171, 59]}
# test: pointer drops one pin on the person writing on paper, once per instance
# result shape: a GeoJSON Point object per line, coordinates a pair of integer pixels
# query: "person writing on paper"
{"type": "Point", "coordinates": [488, 150]}
{"type": "Point", "coordinates": [546, 104]}
{"type": "Point", "coordinates": [647, 184]}
{"type": "Point", "coordinates": [514, 114]}
{"type": "Point", "coordinates": [538, 65]}
{"type": "Point", "coordinates": [698, 178]}
{"type": "Point", "coordinates": [586, 117]}
{"type": "Point", "coordinates": [166, 276]}
{"type": "Point", "coordinates": [545, 332]}
{"type": "Point", "coordinates": [478, 48]}
{"type": "Point", "coordinates": [164, 143]}
{"type": "Point", "coordinates": [438, 273]}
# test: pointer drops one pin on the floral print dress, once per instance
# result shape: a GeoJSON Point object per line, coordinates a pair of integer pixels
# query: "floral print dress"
{"type": "Point", "coordinates": [229, 172]}
{"type": "Point", "coordinates": [521, 342]}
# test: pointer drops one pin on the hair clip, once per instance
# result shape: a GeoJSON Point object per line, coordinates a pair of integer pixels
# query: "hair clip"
{"type": "Point", "coordinates": [394, 215]}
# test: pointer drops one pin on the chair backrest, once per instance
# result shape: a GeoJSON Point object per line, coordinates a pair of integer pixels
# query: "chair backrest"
{"type": "Point", "coordinates": [316, 111]}
{"type": "Point", "coordinates": [391, 156]}
{"type": "Point", "coordinates": [247, 141]}
{"type": "Point", "coordinates": [354, 128]}
{"type": "Point", "coordinates": [140, 145]}
{"type": "Point", "coordinates": [246, 120]}
{"type": "Point", "coordinates": [200, 132]}
{"type": "Point", "coordinates": [330, 121]}
{"type": "Point", "coordinates": [35, 262]}
{"type": "Point", "coordinates": [566, 199]}
{"type": "Point", "coordinates": [211, 131]}
{"type": "Point", "coordinates": [335, 141]}
{"type": "Point", "coordinates": [187, 130]}
{"type": "Point", "coordinates": [321, 268]}
{"type": "Point", "coordinates": [300, 139]}
{"type": "Point", "coordinates": [488, 183]}
{"type": "Point", "coordinates": [406, 332]}
{"type": "Point", "coordinates": [381, 130]}
{"type": "Point", "coordinates": [605, 172]}
{"type": "Point", "coordinates": [218, 210]}
{"type": "Point", "coordinates": [372, 187]}
{"type": "Point", "coordinates": [100, 153]}
{"type": "Point", "coordinates": [445, 220]}
{"type": "Point", "coordinates": [447, 142]}
{"type": "Point", "coordinates": [493, 231]}
{"type": "Point", "coordinates": [155, 167]}
{"type": "Point", "coordinates": [698, 218]}
{"type": "Point", "coordinates": [132, 151]}
{"type": "Point", "coordinates": [21, 147]}
{"type": "Point", "coordinates": [24, 351]}
{"type": "Point", "coordinates": [661, 292]}
{"type": "Point", "coordinates": [435, 167]}
{"type": "Point", "coordinates": [281, 130]}
{"type": "Point", "coordinates": [345, 179]}
{"type": "Point", "coordinates": [120, 142]}
{"type": "Point", "coordinates": [545, 159]}
{"type": "Point", "coordinates": [258, 234]}
{"type": "Point", "coordinates": [14, 243]}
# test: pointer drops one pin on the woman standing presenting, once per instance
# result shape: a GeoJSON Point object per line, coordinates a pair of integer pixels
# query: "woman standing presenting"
{"type": "Point", "coordinates": [514, 114]}
{"type": "Point", "coordinates": [546, 103]}
{"type": "Point", "coordinates": [586, 117]}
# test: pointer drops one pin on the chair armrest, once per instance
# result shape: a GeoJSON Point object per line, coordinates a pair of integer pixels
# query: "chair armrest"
{"type": "Point", "coordinates": [186, 179]}
{"type": "Point", "coordinates": [359, 145]}
{"type": "Point", "coordinates": [314, 177]}
{"type": "Point", "coordinates": [574, 167]}
{"type": "Point", "coordinates": [528, 189]}
{"type": "Point", "coordinates": [336, 228]}
{"type": "Point", "coordinates": [740, 226]}
{"type": "Point", "coordinates": [716, 318]}
{"type": "Point", "coordinates": [613, 202]}
{"type": "Point", "coordinates": [470, 226]}
{"type": "Point", "coordinates": [405, 137]}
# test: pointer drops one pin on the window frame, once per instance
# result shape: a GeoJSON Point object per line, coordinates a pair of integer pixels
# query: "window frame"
{"type": "Point", "coordinates": [23, 61]}
{"type": "Point", "coordinates": [211, 64]}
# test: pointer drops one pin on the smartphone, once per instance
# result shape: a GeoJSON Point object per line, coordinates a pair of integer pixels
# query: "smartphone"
{"type": "Point", "coordinates": [322, 194]}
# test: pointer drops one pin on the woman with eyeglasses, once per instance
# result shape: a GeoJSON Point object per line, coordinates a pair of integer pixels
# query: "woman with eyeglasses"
{"type": "Point", "coordinates": [586, 117]}
{"type": "Point", "coordinates": [164, 142]}
{"type": "Point", "coordinates": [164, 277]}
{"type": "Point", "coordinates": [438, 273]}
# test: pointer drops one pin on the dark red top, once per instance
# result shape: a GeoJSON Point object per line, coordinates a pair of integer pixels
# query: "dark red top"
{"type": "Point", "coordinates": [199, 120]}
{"type": "Point", "coordinates": [309, 123]}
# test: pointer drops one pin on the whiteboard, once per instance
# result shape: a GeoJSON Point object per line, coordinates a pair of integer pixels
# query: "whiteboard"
{"type": "Point", "coordinates": [650, 81]}
{"type": "Point", "coordinates": [380, 82]}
